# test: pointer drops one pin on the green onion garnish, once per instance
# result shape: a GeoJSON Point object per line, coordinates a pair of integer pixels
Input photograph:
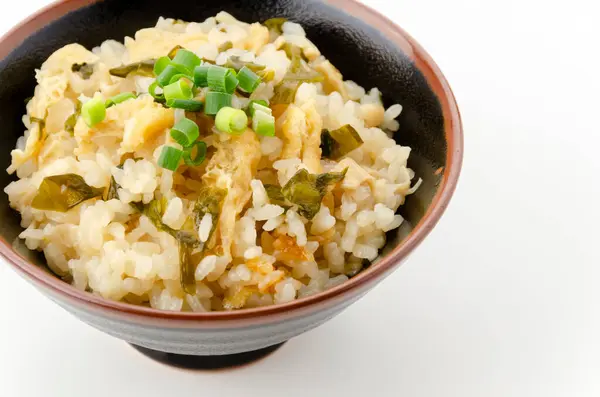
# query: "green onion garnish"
{"type": "Point", "coordinates": [160, 98]}
{"type": "Point", "coordinates": [170, 158]}
{"type": "Point", "coordinates": [263, 123]}
{"type": "Point", "coordinates": [231, 120]}
{"type": "Point", "coordinates": [190, 105]}
{"type": "Point", "coordinates": [200, 75]}
{"type": "Point", "coordinates": [185, 132]}
{"type": "Point", "coordinates": [215, 101]}
{"type": "Point", "coordinates": [221, 79]}
{"type": "Point", "coordinates": [180, 76]}
{"type": "Point", "coordinates": [186, 61]}
{"type": "Point", "coordinates": [161, 64]}
{"type": "Point", "coordinates": [164, 78]}
{"type": "Point", "coordinates": [178, 90]}
{"type": "Point", "coordinates": [125, 96]}
{"type": "Point", "coordinates": [261, 104]}
{"type": "Point", "coordinates": [249, 80]}
{"type": "Point", "coordinates": [198, 158]}
{"type": "Point", "coordinates": [93, 111]}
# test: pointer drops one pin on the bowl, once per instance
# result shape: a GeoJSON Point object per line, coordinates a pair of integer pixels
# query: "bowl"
{"type": "Point", "coordinates": [364, 45]}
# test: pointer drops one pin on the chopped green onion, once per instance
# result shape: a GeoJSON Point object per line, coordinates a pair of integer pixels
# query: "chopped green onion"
{"type": "Point", "coordinates": [164, 78]}
{"type": "Point", "coordinates": [170, 158]}
{"type": "Point", "coordinates": [178, 90]}
{"type": "Point", "coordinates": [201, 75]}
{"type": "Point", "coordinates": [161, 64]}
{"type": "Point", "coordinates": [185, 132]}
{"type": "Point", "coordinates": [231, 120]}
{"type": "Point", "coordinates": [152, 91]}
{"type": "Point", "coordinates": [93, 111]}
{"type": "Point", "coordinates": [249, 80]}
{"type": "Point", "coordinates": [180, 76]}
{"type": "Point", "coordinates": [263, 123]}
{"type": "Point", "coordinates": [125, 96]}
{"type": "Point", "coordinates": [262, 105]}
{"type": "Point", "coordinates": [190, 105]}
{"type": "Point", "coordinates": [200, 154]}
{"type": "Point", "coordinates": [259, 107]}
{"type": "Point", "coordinates": [231, 82]}
{"type": "Point", "coordinates": [215, 101]}
{"type": "Point", "coordinates": [186, 61]}
{"type": "Point", "coordinates": [221, 79]}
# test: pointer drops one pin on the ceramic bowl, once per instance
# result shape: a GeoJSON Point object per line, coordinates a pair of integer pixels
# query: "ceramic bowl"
{"type": "Point", "coordinates": [367, 48]}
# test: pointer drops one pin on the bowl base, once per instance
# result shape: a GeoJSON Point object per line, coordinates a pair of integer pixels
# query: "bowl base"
{"type": "Point", "coordinates": [206, 362]}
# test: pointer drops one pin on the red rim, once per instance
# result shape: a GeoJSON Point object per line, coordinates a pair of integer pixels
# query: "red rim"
{"type": "Point", "coordinates": [454, 156]}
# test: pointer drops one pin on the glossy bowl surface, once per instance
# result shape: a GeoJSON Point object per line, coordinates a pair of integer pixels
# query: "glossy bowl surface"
{"type": "Point", "coordinates": [367, 48]}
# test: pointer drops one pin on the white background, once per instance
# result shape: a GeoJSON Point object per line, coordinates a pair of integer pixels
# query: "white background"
{"type": "Point", "coordinates": [501, 300]}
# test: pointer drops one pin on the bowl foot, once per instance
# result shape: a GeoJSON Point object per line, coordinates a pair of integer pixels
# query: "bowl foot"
{"type": "Point", "coordinates": [207, 362]}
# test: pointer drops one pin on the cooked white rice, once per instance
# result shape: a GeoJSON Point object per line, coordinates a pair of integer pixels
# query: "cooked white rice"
{"type": "Point", "coordinates": [261, 252]}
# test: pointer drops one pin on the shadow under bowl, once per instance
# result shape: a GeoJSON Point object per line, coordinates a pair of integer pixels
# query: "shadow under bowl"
{"type": "Point", "coordinates": [366, 47]}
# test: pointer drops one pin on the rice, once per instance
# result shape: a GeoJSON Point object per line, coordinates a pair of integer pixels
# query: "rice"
{"type": "Point", "coordinates": [246, 245]}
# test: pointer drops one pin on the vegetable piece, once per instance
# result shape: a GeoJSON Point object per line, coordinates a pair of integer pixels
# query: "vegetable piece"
{"type": "Point", "coordinates": [125, 96]}
{"type": "Point", "coordinates": [338, 143]}
{"type": "Point", "coordinates": [230, 120]}
{"type": "Point", "coordinates": [174, 51]}
{"type": "Point", "coordinates": [180, 76]}
{"type": "Point", "coordinates": [112, 192]}
{"type": "Point", "coordinates": [210, 201]}
{"type": "Point", "coordinates": [263, 123]}
{"type": "Point", "coordinates": [215, 101]}
{"type": "Point", "coordinates": [160, 98]}
{"type": "Point", "coordinates": [275, 195]}
{"type": "Point", "coordinates": [198, 158]}
{"type": "Point", "coordinates": [221, 79]}
{"type": "Point", "coordinates": [259, 104]}
{"type": "Point", "coordinates": [307, 190]}
{"type": "Point", "coordinates": [186, 61]}
{"type": "Point", "coordinates": [62, 192]}
{"type": "Point", "coordinates": [285, 92]}
{"type": "Point", "coordinates": [299, 69]}
{"type": "Point", "coordinates": [84, 70]}
{"type": "Point", "coordinates": [186, 104]}
{"type": "Point", "coordinates": [164, 78]}
{"type": "Point", "coordinates": [144, 68]}
{"type": "Point", "coordinates": [161, 64]}
{"type": "Point", "coordinates": [93, 112]}
{"type": "Point", "coordinates": [275, 24]}
{"type": "Point", "coordinates": [234, 62]}
{"type": "Point", "coordinates": [185, 132]}
{"type": "Point", "coordinates": [248, 80]}
{"type": "Point", "coordinates": [201, 75]}
{"type": "Point", "coordinates": [72, 119]}
{"type": "Point", "coordinates": [178, 90]}
{"type": "Point", "coordinates": [169, 158]}
{"type": "Point", "coordinates": [266, 75]}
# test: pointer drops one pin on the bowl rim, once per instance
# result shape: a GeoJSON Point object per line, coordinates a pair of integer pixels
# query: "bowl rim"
{"type": "Point", "coordinates": [454, 157]}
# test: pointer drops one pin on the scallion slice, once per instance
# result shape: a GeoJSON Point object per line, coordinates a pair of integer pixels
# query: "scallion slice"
{"type": "Point", "coordinates": [215, 101]}
{"type": "Point", "coordinates": [185, 132]}
{"type": "Point", "coordinates": [221, 79]}
{"type": "Point", "coordinates": [249, 80]}
{"type": "Point", "coordinates": [93, 111]}
{"type": "Point", "coordinates": [198, 158]}
{"type": "Point", "coordinates": [164, 78]}
{"type": "Point", "coordinates": [231, 120]}
{"type": "Point", "coordinates": [180, 76]}
{"type": "Point", "coordinates": [186, 61]}
{"type": "Point", "coordinates": [125, 96]}
{"type": "Point", "coordinates": [200, 75]}
{"type": "Point", "coordinates": [169, 158]}
{"type": "Point", "coordinates": [261, 102]}
{"type": "Point", "coordinates": [178, 90]}
{"type": "Point", "coordinates": [190, 105]}
{"type": "Point", "coordinates": [260, 106]}
{"type": "Point", "coordinates": [161, 64]}
{"type": "Point", "coordinates": [263, 123]}
{"type": "Point", "coordinates": [160, 98]}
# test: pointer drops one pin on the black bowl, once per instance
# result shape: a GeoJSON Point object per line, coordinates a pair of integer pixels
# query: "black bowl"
{"type": "Point", "coordinates": [365, 46]}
